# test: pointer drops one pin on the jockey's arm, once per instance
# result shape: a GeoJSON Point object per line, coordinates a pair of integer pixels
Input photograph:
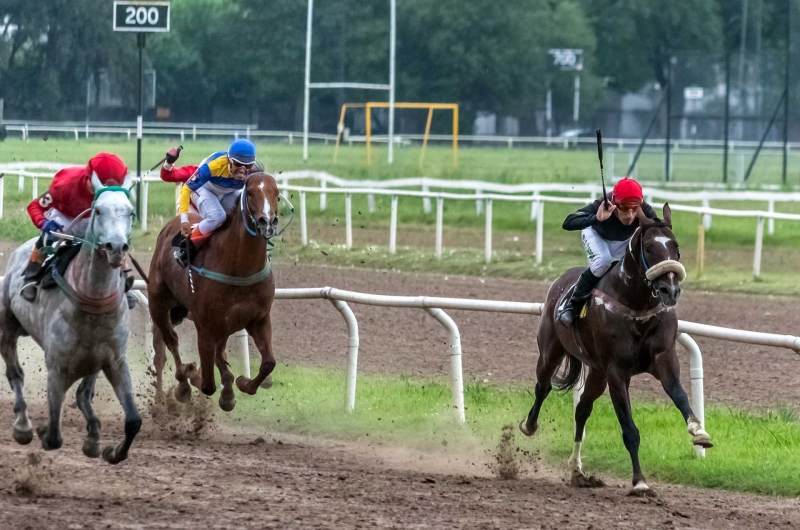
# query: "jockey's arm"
{"type": "Point", "coordinates": [583, 218]}
{"type": "Point", "coordinates": [177, 175]}
{"type": "Point", "coordinates": [197, 180]}
{"type": "Point", "coordinates": [36, 211]}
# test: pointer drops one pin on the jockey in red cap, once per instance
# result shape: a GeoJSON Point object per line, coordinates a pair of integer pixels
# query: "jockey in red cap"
{"type": "Point", "coordinates": [70, 194]}
{"type": "Point", "coordinates": [605, 231]}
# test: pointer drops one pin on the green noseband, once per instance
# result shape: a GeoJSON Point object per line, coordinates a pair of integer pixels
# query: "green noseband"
{"type": "Point", "coordinates": [99, 192]}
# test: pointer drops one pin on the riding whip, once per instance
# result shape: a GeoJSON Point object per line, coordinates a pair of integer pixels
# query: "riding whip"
{"type": "Point", "coordinates": [180, 148]}
{"type": "Point", "coordinates": [600, 157]}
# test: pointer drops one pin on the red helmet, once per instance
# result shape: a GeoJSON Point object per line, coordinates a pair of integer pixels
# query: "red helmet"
{"type": "Point", "coordinates": [627, 190]}
{"type": "Point", "coordinates": [110, 169]}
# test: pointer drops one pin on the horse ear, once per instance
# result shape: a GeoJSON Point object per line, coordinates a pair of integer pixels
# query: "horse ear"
{"type": "Point", "coordinates": [667, 214]}
{"type": "Point", "coordinates": [128, 182]}
{"type": "Point", "coordinates": [96, 184]}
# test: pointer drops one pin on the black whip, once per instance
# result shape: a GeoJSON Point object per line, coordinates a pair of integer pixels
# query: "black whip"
{"type": "Point", "coordinates": [180, 148]}
{"type": "Point", "coordinates": [600, 157]}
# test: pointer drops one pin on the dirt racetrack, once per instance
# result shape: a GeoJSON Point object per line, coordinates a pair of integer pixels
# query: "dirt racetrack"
{"type": "Point", "coordinates": [228, 478]}
{"type": "Point", "coordinates": [239, 479]}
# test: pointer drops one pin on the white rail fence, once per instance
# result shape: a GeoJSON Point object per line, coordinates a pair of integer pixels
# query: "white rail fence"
{"type": "Point", "coordinates": [484, 195]}
{"type": "Point", "coordinates": [436, 306]}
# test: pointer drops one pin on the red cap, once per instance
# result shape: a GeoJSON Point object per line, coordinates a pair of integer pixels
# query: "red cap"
{"type": "Point", "coordinates": [110, 169]}
{"type": "Point", "coordinates": [627, 189]}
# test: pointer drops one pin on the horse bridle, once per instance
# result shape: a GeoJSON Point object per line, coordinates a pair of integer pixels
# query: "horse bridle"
{"type": "Point", "coordinates": [642, 229]}
{"type": "Point", "coordinates": [249, 219]}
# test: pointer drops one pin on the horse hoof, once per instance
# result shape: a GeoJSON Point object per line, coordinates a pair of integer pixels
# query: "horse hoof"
{"type": "Point", "coordinates": [524, 429]}
{"type": "Point", "coordinates": [579, 480]}
{"type": "Point", "coordinates": [642, 490]}
{"type": "Point", "coordinates": [23, 437]}
{"type": "Point", "coordinates": [267, 384]}
{"type": "Point", "coordinates": [48, 446]}
{"type": "Point", "coordinates": [227, 401]}
{"type": "Point", "coordinates": [703, 440]}
{"type": "Point", "coordinates": [110, 455]}
{"type": "Point", "coordinates": [91, 448]}
{"type": "Point", "coordinates": [241, 384]}
{"type": "Point", "coordinates": [41, 431]}
{"type": "Point", "coordinates": [183, 392]}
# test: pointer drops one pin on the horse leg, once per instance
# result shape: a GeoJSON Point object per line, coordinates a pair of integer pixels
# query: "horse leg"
{"type": "Point", "coordinates": [593, 388]}
{"type": "Point", "coordinates": [227, 399]}
{"type": "Point", "coordinates": [620, 397]}
{"type": "Point", "coordinates": [261, 331]}
{"type": "Point", "coordinates": [120, 378]}
{"type": "Point", "coordinates": [57, 386]}
{"type": "Point", "coordinates": [23, 429]}
{"type": "Point", "coordinates": [159, 314]}
{"type": "Point", "coordinates": [84, 397]}
{"type": "Point", "coordinates": [159, 359]}
{"type": "Point", "coordinates": [207, 346]}
{"type": "Point", "coordinates": [551, 353]}
{"type": "Point", "coordinates": [667, 371]}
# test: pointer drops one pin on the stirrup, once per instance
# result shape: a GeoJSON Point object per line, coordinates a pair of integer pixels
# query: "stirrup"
{"type": "Point", "coordinates": [180, 257]}
{"type": "Point", "coordinates": [29, 291]}
{"type": "Point", "coordinates": [567, 316]}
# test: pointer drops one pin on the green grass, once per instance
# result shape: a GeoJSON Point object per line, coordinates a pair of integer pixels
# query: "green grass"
{"type": "Point", "coordinates": [729, 244]}
{"type": "Point", "coordinates": [755, 453]}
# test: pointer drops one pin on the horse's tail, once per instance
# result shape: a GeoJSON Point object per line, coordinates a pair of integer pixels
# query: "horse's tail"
{"type": "Point", "coordinates": [570, 375]}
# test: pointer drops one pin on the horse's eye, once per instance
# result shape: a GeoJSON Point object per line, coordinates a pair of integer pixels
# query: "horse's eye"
{"type": "Point", "coordinates": [275, 220]}
{"type": "Point", "coordinates": [96, 211]}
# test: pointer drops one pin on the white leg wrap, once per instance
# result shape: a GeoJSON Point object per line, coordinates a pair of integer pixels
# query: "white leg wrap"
{"type": "Point", "coordinates": [575, 458]}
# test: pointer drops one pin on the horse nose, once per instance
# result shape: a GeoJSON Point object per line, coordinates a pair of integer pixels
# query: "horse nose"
{"type": "Point", "coordinates": [116, 247]}
{"type": "Point", "coordinates": [670, 292]}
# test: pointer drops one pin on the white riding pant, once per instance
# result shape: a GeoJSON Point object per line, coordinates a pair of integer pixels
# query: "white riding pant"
{"type": "Point", "coordinates": [77, 229]}
{"type": "Point", "coordinates": [601, 252]}
{"type": "Point", "coordinates": [213, 209]}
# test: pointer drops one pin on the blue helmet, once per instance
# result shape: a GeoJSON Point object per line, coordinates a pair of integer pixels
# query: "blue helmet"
{"type": "Point", "coordinates": [242, 151]}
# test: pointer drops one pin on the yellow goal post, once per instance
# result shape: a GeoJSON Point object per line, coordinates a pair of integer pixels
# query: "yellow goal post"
{"type": "Point", "coordinates": [385, 105]}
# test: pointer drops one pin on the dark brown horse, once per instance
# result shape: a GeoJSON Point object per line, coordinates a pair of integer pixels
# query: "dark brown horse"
{"type": "Point", "coordinates": [231, 288]}
{"type": "Point", "coordinates": [629, 327]}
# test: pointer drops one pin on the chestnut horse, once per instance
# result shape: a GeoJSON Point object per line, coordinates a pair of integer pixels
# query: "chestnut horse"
{"type": "Point", "coordinates": [229, 287]}
{"type": "Point", "coordinates": [629, 327]}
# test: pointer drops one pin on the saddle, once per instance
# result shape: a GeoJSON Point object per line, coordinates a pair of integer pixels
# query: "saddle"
{"type": "Point", "coordinates": [59, 260]}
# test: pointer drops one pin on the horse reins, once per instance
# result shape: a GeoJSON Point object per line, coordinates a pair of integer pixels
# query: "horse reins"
{"type": "Point", "coordinates": [643, 229]}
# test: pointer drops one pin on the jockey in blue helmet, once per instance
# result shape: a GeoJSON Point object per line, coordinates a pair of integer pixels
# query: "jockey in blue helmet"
{"type": "Point", "coordinates": [213, 189]}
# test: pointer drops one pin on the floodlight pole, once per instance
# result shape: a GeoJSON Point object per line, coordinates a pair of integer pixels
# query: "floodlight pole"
{"type": "Point", "coordinates": [392, 49]}
{"type": "Point", "coordinates": [308, 78]}
{"type": "Point", "coordinates": [786, 90]}
{"type": "Point", "coordinates": [140, 44]}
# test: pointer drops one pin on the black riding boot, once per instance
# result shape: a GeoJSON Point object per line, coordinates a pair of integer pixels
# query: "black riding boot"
{"type": "Point", "coordinates": [31, 277]}
{"type": "Point", "coordinates": [583, 291]}
{"type": "Point", "coordinates": [128, 286]}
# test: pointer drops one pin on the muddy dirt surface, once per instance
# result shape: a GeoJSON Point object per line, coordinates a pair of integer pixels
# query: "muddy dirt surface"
{"type": "Point", "coordinates": [238, 479]}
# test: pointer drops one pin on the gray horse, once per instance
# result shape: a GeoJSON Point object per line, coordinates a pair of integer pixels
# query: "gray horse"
{"type": "Point", "coordinates": [82, 326]}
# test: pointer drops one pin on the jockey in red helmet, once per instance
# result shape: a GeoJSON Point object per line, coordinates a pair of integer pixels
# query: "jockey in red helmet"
{"type": "Point", "coordinates": [605, 231]}
{"type": "Point", "coordinates": [55, 210]}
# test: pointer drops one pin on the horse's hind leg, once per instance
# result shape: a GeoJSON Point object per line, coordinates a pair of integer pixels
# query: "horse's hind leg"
{"type": "Point", "coordinates": [120, 379]}
{"type": "Point", "coordinates": [9, 334]}
{"type": "Point", "coordinates": [261, 331]}
{"type": "Point", "coordinates": [84, 397]}
{"type": "Point", "coordinates": [593, 388]}
{"type": "Point", "coordinates": [667, 370]}
{"type": "Point", "coordinates": [159, 359]}
{"type": "Point", "coordinates": [57, 386]}
{"type": "Point", "coordinates": [162, 326]}
{"type": "Point", "coordinates": [551, 353]}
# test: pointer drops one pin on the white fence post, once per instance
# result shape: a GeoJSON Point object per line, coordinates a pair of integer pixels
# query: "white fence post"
{"type": "Point", "coordinates": [393, 227]}
{"type": "Point", "coordinates": [706, 216]}
{"type": "Point", "coordinates": [771, 221]}
{"type": "Point", "coordinates": [183, 137]}
{"type": "Point", "coordinates": [759, 247]}
{"type": "Point", "coordinates": [540, 233]}
{"type": "Point", "coordinates": [426, 201]}
{"type": "Point", "coordinates": [145, 196]}
{"type": "Point", "coordinates": [478, 203]}
{"type": "Point", "coordinates": [535, 206]}
{"type": "Point", "coordinates": [35, 187]}
{"type": "Point", "coordinates": [696, 374]}
{"type": "Point", "coordinates": [439, 215]}
{"type": "Point", "coordinates": [87, 129]}
{"type": "Point", "coordinates": [488, 248]}
{"type": "Point", "coordinates": [612, 159]}
{"type": "Point", "coordinates": [2, 193]}
{"type": "Point", "coordinates": [456, 376]}
{"type": "Point", "coordinates": [323, 197]}
{"type": "Point", "coordinates": [352, 352]}
{"type": "Point", "coordinates": [21, 183]}
{"type": "Point", "coordinates": [303, 222]}
{"type": "Point", "coordinates": [194, 132]}
{"type": "Point", "coordinates": [76, 134]}
{"type": "Point", "coordinates": [348, 215]}
{"type": "Point", "coordinates": [371, 203]}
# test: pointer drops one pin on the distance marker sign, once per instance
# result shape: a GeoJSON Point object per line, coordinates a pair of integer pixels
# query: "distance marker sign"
{"type": "Point", "coordinates": [141, 17]}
